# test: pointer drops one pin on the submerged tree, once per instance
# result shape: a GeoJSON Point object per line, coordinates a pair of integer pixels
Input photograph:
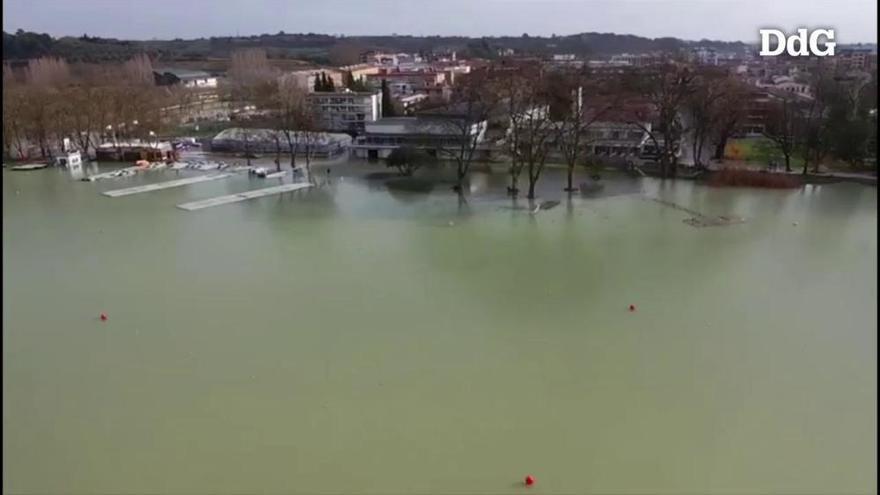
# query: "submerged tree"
{"type": "Point", "coordinates": [781, 127]}
{"type": "Point", "coordinates": [465, 122]}
{"type": "Point", "coordinates": [585, 102]}
{"type": "Point", "coordinates": [665, 89]}
{"type": "Point", "coordinates": [405, 159]}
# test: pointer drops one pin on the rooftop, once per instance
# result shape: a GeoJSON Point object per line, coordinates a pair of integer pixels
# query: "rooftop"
{"type": "Point", "coordinates": [183, 74]}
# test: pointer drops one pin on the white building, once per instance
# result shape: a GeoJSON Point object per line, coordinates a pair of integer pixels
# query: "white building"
{"type": "Point", "coordinates": [788, 85]}
{"type": "Point", "coordinates": [411, 101]}
{"type": "Point", "coordinates": [187, 78]}
{"type": "Point", "coordinates": [431, 134]}
{"type": "Point", "coordinates": [704, 55]}
{"type": "Point", "coordinates": [346, 111]}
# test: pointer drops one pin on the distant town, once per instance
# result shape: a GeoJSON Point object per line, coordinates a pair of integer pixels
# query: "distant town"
{"type": "Point", "coordinates": [679, 109]}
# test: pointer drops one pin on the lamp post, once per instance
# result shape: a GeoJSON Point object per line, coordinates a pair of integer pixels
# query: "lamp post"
{"type": "Point", "coordinates": [112, 134]}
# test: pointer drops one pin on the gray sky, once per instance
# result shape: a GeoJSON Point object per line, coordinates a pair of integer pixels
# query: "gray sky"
{"type": "Point", "coordinates": [854, 20]}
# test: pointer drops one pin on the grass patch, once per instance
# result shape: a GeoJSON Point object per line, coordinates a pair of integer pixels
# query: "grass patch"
{"type": "Point", "coordinates": [758, 150]}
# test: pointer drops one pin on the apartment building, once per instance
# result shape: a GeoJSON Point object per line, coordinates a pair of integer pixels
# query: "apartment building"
{"type": "Point", "coordinates": [346, 111]}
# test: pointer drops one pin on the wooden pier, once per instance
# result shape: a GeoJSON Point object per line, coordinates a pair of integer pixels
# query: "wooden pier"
{"type": "Point", "coordinates": [164, 185]}
{"type": "Point", "coordinates": [235, 198]}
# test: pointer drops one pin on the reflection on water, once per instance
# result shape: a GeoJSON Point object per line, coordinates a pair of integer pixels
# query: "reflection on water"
{"type": "Point", "coordinates": [354, 339]}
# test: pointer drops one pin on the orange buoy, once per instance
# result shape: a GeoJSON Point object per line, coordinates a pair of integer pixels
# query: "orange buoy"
{"type": "Point", "coordinates": [103, 316]}
{"type": "Point", "coordinates": [530, 480]}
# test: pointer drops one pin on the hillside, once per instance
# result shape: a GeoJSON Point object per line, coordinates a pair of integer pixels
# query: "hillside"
{"type": "Point", "coordinates": [321, 48]}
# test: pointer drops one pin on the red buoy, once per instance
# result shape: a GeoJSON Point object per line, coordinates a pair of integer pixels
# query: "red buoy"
{"type": "Point", "coordinates": [632, 307]}
{"type": "Point", "coordinates": [530, 480]}
{"type": "Point", "coordinates": [103, 316]}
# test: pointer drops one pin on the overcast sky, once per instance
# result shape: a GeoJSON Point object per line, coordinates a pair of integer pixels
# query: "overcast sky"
{"type": "Point", "coordinates": [854, 20]}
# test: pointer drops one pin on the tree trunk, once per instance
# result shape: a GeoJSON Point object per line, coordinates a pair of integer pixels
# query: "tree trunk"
{"type": "Point", "coordinates": [787, 162]}
{"type": "Point", "coordinates": [292, 149]}
{"type": "Point", "coordinates": [570, 187]}
{"type": "Point", "coordinates": [531, 188]}
{"type": "Point", "coordinates": [459, 178]}
{"type": "Point", "coordinates": [719, 148]}
{"type": "Point", "coordinates": [247, 149]}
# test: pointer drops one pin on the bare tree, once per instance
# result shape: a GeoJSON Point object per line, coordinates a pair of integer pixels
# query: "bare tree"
{"type": "Point", "coordinates": [250, 67]}
{"type": "Point", "coordinates": [703, 107]}
{"type": "Point", "coordinates": [732, 110]}
{"type": "Point", "coordinates": [139, 70]}
{"type": "Point", "coordinates": [345, 53]}
{"type": "Point", "coordinates": [666, 89]}
{"type": "Point", "coordinates": [292, 113]}
{"type": "Point", "coordinates": [465, 121]}
{"type": "Point", "coordinates": [249, 71]}
{"type": "Point", "coordinates": [514, 94]}
{"type": "Point", "coordinates": [583, 105]}
{"type": "Point", "coordinates": [44, 77]}
{"type": "Point", "coordinates": [47, 72]}
{"type": "Point", "coordinates": [537, 132]}
{"type": "Point", "coordinates": [14, 115]}
{"type": "Point", "coordinates": [781, 127]}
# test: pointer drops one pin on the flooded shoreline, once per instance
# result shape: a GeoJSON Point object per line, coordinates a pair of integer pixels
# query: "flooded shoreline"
{"type": "Point", "coordinates": [351, 338]}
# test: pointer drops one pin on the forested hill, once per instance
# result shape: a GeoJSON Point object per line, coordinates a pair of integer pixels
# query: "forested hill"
{"type": "Point", "coordinates": [323, 48]}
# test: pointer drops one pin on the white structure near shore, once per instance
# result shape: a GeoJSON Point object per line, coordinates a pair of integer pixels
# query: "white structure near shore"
{"type": "Point", "coordinates": [432, 134]}
{"type": "Point", "coordinates": [320, 144]}
{"type": "Point", "coordinates": [346, 111]}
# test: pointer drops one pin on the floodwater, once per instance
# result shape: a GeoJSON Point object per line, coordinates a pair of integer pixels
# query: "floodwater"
{"type": "Point", "coordinates": [352, 340]}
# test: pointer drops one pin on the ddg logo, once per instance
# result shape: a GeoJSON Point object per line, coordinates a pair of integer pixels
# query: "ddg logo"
{"type": "Point", "coordinates": [797, 45]}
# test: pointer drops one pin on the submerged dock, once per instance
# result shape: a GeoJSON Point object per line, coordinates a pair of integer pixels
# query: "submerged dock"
{"type": "Point", "coordinates": [235, 198]}
{"type": "Point", "coordinates": [164, 185]}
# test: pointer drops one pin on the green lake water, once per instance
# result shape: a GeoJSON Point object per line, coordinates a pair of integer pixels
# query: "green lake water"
{"type": "Point", "coordinates": [352, 340]}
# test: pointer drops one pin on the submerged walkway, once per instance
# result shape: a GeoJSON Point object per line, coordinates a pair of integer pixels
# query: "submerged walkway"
{"type": "Point", "coordinates": [235, 198]}
{"type": "Point", "coordinates": [164, 185]}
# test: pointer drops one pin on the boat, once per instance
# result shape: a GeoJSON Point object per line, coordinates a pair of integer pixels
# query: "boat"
{"type": "Point", "coordinates": [30, 166]}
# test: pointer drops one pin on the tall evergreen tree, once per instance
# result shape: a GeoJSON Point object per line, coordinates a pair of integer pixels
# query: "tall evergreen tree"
{"type": "Point", "coordinates": [318, 86]}
{"type": "Point", "coordinates": [330, 85]}
{"type": "Point", "coordinates": [348, 80]}
{"type": "Point", "coordinates": [387, 104]}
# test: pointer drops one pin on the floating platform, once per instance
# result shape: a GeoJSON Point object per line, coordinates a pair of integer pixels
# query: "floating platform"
{"type": "Point", "coordinates": [164, 185]}
{"type": "Point", "coordinates": [235, 198]}
{"type": "Point", "coordinates": [122, 172]}
{"type": "Point", "coordinates": [30, 166]}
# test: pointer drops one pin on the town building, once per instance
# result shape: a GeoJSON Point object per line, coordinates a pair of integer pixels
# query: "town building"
{"type": "Point", "coordinates": [184, 77]}
{"type": "Point", "coordinates": [134, 150]}
{"type": "Point", "coordinates": [617, 138]}
{"type": "Point", "coordinates": [346, 111]}
{"type": "Point", "coordinates": [757, 112]}
{"type": "Point", "coordinates": [411, 102]}
{"type": "Point", "coordinates": [861, 59]}
{"type": "Point", "coordinates": [702, 55]}
{"type": "Point", "coordinates": [433, 134]}
{"type": "Point", "coordinates": [402, 83]}
{"type": "Point", "coordinates": [305, 78]}
{"type": "Point", "coordinates": [313, 144]}
{"type": "Point", "coordinates": [786, 84]}
{"type": "Point", "coordinates": [360, 71]}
